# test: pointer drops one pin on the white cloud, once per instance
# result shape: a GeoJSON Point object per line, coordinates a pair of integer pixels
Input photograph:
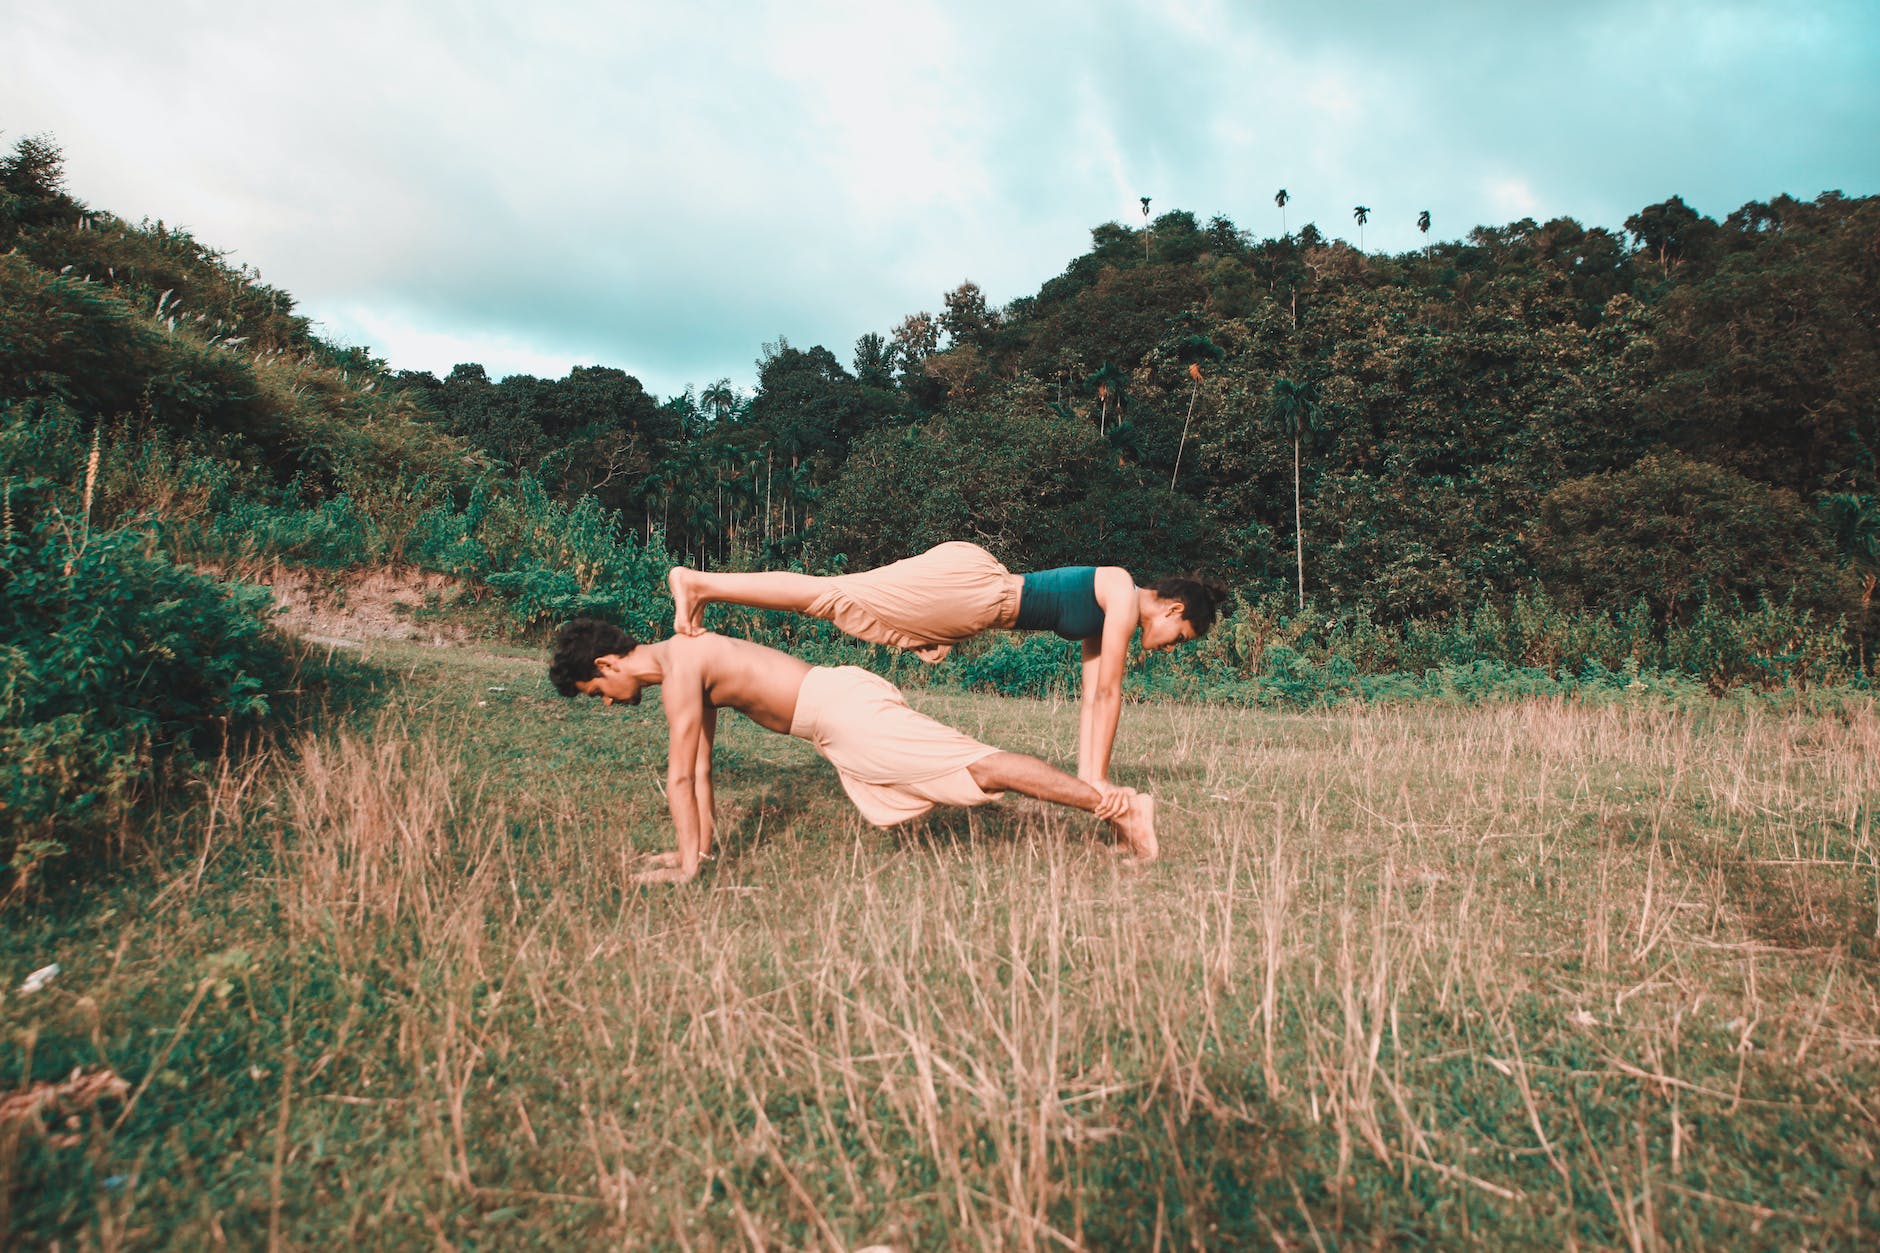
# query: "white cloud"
{"type": "Point", "coordinates": [1510, 198]}
{"type": "Point", "coordinates": [663, 187]}
{"type": "Point", "coordinates": [412, 344]}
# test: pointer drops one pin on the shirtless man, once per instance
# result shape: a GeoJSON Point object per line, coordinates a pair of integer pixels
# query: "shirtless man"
{"type": "Point", "coordinates": [894, 763]}
{"type": "Point", "coordinates": [953, 591]}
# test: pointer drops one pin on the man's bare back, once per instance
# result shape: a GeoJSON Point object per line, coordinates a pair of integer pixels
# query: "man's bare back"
{"type": "Point", "coordinates": [724, 673]}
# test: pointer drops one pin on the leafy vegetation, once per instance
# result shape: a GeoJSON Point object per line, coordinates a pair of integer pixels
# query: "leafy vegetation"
{"type": "Point", "coordinates": [1406, 436]}
{"type": "Point", "coordinates": [118, 669]}
{"type": "Point", "coordinates": [1559, 933]}
{"type": "Point", "coordinates": [1543, 459]}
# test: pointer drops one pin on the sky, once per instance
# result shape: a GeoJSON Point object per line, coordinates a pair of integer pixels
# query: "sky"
{"type": "Point", "coordinates": [666, 187]}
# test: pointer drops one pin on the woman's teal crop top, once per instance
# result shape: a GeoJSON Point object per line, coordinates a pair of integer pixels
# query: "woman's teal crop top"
{"type": "Point", "coordinates": [1062, 600]}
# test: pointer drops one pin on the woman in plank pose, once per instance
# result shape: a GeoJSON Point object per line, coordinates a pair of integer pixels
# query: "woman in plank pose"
{"type": "Point", "coordinates": [954, 591]}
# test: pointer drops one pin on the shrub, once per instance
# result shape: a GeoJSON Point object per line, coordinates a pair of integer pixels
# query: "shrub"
{"type": "Point", "coordinates": [1677, 533]}
{"type": "Point", "coordinates": [1023, 665]}
{"type": "Point", "coordinates": [118, 671]}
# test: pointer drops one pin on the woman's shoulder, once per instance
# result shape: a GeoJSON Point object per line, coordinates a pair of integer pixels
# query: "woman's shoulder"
{"type": "Point", "coordinates": [1113, 582]}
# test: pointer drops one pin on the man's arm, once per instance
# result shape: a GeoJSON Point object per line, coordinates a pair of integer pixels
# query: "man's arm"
{"type": "Point", "coordinates": [1101, 705]}
{"type": "Point", "coordinates": [688, 768]}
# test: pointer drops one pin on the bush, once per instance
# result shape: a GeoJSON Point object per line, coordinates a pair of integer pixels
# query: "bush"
{"type": "Point", "coordinates": [1677, 534]}
{"type": "Point", "coordinates": [1021, 665]}
{"type": "Point", "coordinates": [118, 671]}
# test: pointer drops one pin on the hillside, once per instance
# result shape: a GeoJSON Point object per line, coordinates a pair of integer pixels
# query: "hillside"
{"type": "Point", "coordinates": [1540, 458]}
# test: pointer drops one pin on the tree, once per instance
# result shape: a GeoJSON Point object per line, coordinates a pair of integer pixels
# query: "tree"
{"type": "Point", "coordinates": [1677, 533]}
{"type": "Point", "coordinates": [1423, 224]}
{"type": "Point", "coordinates": [806, 403]}
{"type": "Point", "coordinates": [32, 185]}
{"type": "Point", "coordinates": [1193, 351]}
{"type": "Point", "coordinates": [1280, 198]}
{"type": "Point", "coordinates": [1363, 214]}
{"type": "Point", "coordinates": [1769, 363]}
{"type": "Point", "coordinates": [36, 168]}
{"type": "Point", "coordinates": [1223, 238]}
{"type": "Point", "coordinates": [1106, 382]}
{"type": "Point", "coordinates": [914, 341]}
{"type": "Point", "coordinates": [1293, 412]}
{"type": "Point", "coordinates": [966, 319]}
{"type": "Point", "coordinates": [720, 398]}
{"type": "Point", "coordinates": [1006, 470]}
{"type": "Point", "coordinates": [1854, 521]}
{"type": "Point", "coordinates": [1671, 229]}
{"type": "Point", "coordinates": [874, 361]}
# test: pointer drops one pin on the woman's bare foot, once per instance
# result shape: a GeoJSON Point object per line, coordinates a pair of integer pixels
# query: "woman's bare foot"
{"type": "Point", "coordinates": [665, 874]}
{"type": "Point", "coordinates": [685, 614]}
{"type": "Point", "coordinates": [1138, 827]}
{"type": "Point", "coordinates": [933, 654]}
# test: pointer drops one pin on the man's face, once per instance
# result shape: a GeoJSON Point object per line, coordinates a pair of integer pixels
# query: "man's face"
{"type": "Point", "coordinates": [1164, 626]}
{"type": "Point", "coordinates": [611, 682]}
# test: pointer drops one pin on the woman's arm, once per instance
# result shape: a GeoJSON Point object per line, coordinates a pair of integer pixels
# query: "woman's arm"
{"type": "Point", "coordinates": [1101, 706]}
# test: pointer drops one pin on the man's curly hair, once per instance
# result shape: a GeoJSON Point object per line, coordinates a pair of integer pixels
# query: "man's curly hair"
{"type": "Point", "coordinates": [577, 645]}
{"type": "Point", "coordinates": [1201, 598]}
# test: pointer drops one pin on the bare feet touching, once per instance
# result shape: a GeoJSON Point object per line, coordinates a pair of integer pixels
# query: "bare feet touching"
{"type": "Point", "coordinates": [933, 654]}
{"type": "Point", "coordinates": [685, 615]}
{"type": "Point", "coordinates": [1137, 828]}
{"type": "Point", "coordinates": [665, 867]}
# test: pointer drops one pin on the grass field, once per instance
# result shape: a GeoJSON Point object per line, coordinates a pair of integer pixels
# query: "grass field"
{"type": "Point", "coordinates": [1515, 976]}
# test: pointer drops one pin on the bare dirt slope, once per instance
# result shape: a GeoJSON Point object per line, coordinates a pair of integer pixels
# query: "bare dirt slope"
{"type": "Point", "coordinates": [349, 607]}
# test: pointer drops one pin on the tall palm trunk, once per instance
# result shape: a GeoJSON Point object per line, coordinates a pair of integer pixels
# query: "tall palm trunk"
{"type": "Point", "coordinates": [1299, 534]}
{"type": "Point", "coordinates": [1194, 394]}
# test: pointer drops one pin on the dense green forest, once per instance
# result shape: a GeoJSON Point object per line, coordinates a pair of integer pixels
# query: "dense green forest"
{"type": "Point", "coordinates": [1687, 411]}
{"type": "Point", "coordinates": [1548, 447]}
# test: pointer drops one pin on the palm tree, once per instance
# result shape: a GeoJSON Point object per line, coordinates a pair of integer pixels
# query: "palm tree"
{"type": "Point", "coordinates": [719, 398]}
{"type": "Point", "coordinates": [1108, 382]}
{"type": "Point", "coordinates": [1423, 224]}
{"type": "Point", "coordinates": [1363, 214]}
{"type": "Point", "coordinates": [1145, 227]}
{"type": "Point", "coordinates": [1293, 411]}
{"type": "Point", "coordinates": [1855, 522]}
{"type": "Point", "coordinates": [1280, 199]}
{"type": "Point", "coordinates": [1194, 350]}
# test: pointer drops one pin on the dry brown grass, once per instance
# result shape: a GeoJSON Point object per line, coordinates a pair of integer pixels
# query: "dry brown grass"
{"type": "Point", "coordinates": [1532, 975]}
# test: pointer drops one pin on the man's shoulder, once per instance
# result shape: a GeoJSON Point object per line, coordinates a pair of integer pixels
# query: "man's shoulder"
{"type": "Point", "coordinates": [710, 652]}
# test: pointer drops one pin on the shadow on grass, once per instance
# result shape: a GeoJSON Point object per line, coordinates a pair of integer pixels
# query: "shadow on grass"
{"type": "Point", "coordinates": [787, 794]}
{"type": "Point", "coordinates": [1007, 824]}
